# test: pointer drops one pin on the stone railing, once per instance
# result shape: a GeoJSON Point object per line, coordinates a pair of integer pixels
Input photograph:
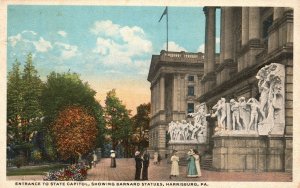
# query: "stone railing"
{"type": "Point", "coordinates": [181, 57]}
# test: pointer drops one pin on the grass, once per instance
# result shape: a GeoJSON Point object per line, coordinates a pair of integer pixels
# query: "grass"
{"type": "Point", "coordinates": [33, 170]}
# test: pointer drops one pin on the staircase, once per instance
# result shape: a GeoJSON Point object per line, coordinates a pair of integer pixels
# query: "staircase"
{"type": "Point", "coordinates": [206, 163]}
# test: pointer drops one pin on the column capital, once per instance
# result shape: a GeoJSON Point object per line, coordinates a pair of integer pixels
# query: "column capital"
{"type": "Point", "coordinates": [207, 9]}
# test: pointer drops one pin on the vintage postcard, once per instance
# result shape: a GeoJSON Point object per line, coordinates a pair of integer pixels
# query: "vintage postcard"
{"type": "Point", "coordinates": [152, 94]}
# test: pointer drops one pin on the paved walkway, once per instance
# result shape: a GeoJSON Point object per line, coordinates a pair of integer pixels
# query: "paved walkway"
{"type": "Point", "coordinates": [126, 168]}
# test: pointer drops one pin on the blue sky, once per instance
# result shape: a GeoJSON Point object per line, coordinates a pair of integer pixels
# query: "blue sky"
{"type": "Point", "coordinates": [109, 46]}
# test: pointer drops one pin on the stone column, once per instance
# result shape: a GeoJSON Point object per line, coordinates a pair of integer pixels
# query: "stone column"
{"type": "Point", "coordinates": [175, 93]}
{"type": "Point", "coordinates": [222, 33]}
{"type": "Point", "coordinates": [254, 23]}
{"type": "Point", "coordinates": [210, 13]}
{"type": "Point", "coordinates": [162, 92]}
{"type": "Point", "coordinates": [152, 101]}
{"type": "Point", "coordinates": [245, 25]}
{"type": "Point", "coordinates": [228, 29]}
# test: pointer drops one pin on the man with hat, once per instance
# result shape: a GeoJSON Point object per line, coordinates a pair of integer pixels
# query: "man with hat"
{"type": "Point", "coordinates": [138, 165]}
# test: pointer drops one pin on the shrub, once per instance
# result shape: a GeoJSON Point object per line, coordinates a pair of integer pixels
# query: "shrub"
{"type": "Point", "coordinates": [36, 155]}
{"type": "Point", "coordinates": [76, 172]}
{"type": "Point", "coordinates": [19, 161]}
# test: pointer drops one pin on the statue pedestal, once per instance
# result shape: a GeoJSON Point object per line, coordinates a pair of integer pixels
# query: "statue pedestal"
{"type": "Point", "coordinates": [252, 153]}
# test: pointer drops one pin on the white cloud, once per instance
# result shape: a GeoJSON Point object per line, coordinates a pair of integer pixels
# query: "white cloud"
{"type": "Point", "coordinates": [42, 45]}
{"type": "Point", "coordinates": [172, 46]}
{"type": "Point", "coordinates": [67, 50]}
{"type": "Point", "coordinates": [105, 27]}
{"type": "Point", "coordinates": [62, 33]}
{"type": "Point", "coordinates": [31, 32]}
{"type": "Point", "coordinates": [13, 40]}
{"type": "Point", "coordinates": [120, 45]}
{"type": "Point", "coordinates": [202, 46]}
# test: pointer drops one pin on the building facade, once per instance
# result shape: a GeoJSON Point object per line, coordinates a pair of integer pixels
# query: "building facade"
{"type": "Point", "coordinates": [175, 85]}
{"type": "Point", "coordinates": [251, 38]}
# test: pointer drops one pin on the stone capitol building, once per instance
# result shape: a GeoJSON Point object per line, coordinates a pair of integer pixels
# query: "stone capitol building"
{"type": "Point", "coordinates": [236, 104]}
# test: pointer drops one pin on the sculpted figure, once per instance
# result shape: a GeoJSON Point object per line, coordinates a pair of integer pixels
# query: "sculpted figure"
{"type": "Point", "coordinates": [220, 113]}
{"type": "Point", "coordinates": [244, 111]}
{"type": "Point", "coordinates": [171, 130]}
{"type": "Point", "coordinates": [235, 113]}
{"type": "Point", "coordinates": [254, 113]}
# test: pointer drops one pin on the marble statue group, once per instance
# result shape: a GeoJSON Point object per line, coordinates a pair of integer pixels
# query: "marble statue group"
{"type": "Point", "coordinates": [186, 131]}
{"type": "Point", "coordinates": [264, 116]}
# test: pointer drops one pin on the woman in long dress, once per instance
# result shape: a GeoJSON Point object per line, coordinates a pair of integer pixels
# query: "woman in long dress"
{"type": "Point", "coordinates": [197, 162]}
{"type": "Point", "coordinates": [175, 166]}
{"type": "Point", "coordinates": [191, 168]}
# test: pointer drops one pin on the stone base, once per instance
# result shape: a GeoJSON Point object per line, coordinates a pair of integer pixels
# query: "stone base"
{"type": "Point", "coordinates": [249, 153]}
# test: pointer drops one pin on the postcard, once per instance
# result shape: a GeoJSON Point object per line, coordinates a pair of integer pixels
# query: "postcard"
{"type": "Point", "coordinates": [152, 94]}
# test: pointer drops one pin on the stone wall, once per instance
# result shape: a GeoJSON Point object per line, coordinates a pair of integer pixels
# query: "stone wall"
{"type": "Point", "coordinates": [249, 154]}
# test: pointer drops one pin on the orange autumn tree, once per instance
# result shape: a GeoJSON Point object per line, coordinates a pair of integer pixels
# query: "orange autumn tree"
{"type": "Point", "coordinates": [75, 131]}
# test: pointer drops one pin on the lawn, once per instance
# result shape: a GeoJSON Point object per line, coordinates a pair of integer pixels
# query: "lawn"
{"type": "Point", "coordinates": [33, 170]}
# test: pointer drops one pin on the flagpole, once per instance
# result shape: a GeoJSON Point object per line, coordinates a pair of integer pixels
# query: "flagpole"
{"type": "Point", "coordinates": [167, 29]}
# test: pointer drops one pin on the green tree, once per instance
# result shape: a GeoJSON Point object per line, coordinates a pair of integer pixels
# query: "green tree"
{"type": "Point", "coordinates": [141, 122]}
{"type": "Point", "coordinates": [66, 89]}
{"type": "Point", "coordinates": [32, 113]}
{"type": "Point", "coordinates": [24, 111]}
{"type": "Point", "coordinates": [14, 104]}
{"type": "Point", "coordinates": [118, 122]}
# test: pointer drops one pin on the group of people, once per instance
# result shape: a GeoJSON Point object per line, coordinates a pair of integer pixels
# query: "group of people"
{"type": "Point", "coordinates": [141, 165]}
{"type": "Point", "coordinates": [193, 166]}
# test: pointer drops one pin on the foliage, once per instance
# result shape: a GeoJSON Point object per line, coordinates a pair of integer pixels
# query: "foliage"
{"type": "Point", "coordinates": [141, 121]}
{"type": "Point", "coordinates": [66, 89]}
{"type": "Point", "coordinates": [75, 132]}
{"type": "Point", "coordinates": [19, 161]}
{"type": "Point", "coordinates": [23, 106]}
{"type": "Point", "coordinates": [36, 155]}
{"type": "Point", "coordinates": [118, 122]}
{"type": "Point", "coordinates": [76, 172]}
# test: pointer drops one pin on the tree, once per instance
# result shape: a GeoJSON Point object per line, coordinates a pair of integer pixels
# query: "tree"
{"type": "Point", "coordinates": [24, 111]}
{"type": "Point", "coordinates": [141, 122]}
{"type": "Point", "coordinates": [66, 89]}
{"type": "Point", "coordinates": [75, 131]}
{"type": "Point", "coordinates": [14, 105]}
{"type": "Point", "coordinates": [118, 122]}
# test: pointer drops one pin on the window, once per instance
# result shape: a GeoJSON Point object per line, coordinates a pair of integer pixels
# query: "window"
{"type": "Point", "coordinates": [266, 24]}
{"type": "Point", "coordinates": [191, 91]}
{"type": "Point", "coordinates": [190, 107]}
{"type": "Point", "coordinates": [191, 78]}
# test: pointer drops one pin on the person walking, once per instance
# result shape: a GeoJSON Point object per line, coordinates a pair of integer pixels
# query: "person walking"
{"type": "Point", "coordinates": [138, 165]}
{"type": "Point", "coordinates": [95, 159]}
{"type": "Point", "coordinates": [191, 168]}
{"type": "Point", "coordinates": [158, 158]}
{"type": "Point", "coordinates": [174, 167]}
{"type": "Point", "coordinates": [146, 158]}
{"type": "Point", "coordinates": [155, 158]}
{"type": "Point", "coordinates": [197, 162]}
{"type": "Point", "coordinates": [113, 159]}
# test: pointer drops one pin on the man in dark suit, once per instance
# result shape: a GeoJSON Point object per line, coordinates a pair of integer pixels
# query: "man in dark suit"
{"type": "Point", "coordinates": [138, 165]}
{"type": "Point", "coordinates": [146, 158]}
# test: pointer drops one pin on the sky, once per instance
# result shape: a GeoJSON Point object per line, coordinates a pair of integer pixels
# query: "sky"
{"type": "Point", "coordinates": [109, 46]}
